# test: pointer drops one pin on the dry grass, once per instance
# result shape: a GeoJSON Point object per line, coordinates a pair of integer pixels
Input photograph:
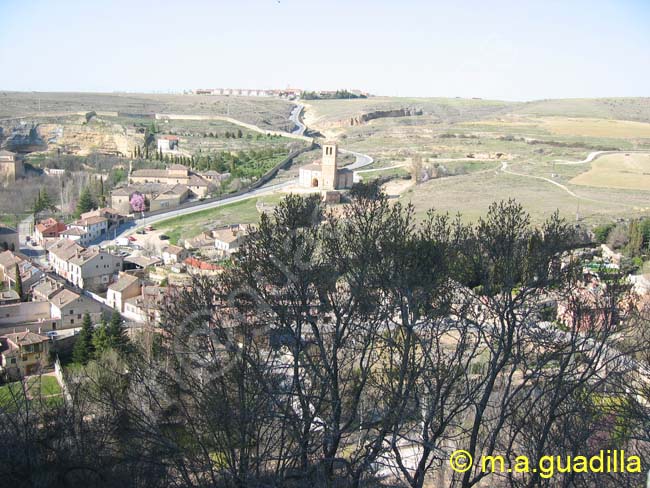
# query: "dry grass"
{"type": "Point", "coordinates": [625, 171]}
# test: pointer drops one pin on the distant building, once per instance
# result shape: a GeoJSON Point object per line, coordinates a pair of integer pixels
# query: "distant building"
{"type": "Point", "coordinates": [168, 144]}
{"type": "Point", "coordinates": [173, 254]}
{"type": "Point", "coordinates": [11, 168]}
{"type": "Point", "coordinates": [24, 353]}
{"type": "Point", "coordinates": [229, 239]}
{"type": "Point", "coordinates": [324, 174]}
{"type": "Point", "coordinates": [156, 196]}
{"type": "Point", "coordinates": [9, 239]}
{"type": "Point", "coordinates": [175, 174]}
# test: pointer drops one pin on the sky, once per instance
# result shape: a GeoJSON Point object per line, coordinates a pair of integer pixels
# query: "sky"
{"type": "Point", "coordinates": [508, 50]}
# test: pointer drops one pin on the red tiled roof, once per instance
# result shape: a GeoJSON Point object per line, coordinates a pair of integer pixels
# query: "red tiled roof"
{"type": "Point", "coordinates": [202, 265]}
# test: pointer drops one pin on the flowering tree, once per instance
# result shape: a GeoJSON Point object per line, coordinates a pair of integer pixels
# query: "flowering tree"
{"type": "Point", "coordinates": [137, 202]}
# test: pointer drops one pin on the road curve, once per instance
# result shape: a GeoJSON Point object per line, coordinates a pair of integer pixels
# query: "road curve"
{"type": "Point", "coordinates": [130, 227]}
{"type": "Point", "coordinates": [295, 118]}
{"type": "Point", "coordinates": [594, 155]}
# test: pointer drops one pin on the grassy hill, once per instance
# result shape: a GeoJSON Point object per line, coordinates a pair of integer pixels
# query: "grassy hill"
{"type": "Point", "coordinates": [272, 112]}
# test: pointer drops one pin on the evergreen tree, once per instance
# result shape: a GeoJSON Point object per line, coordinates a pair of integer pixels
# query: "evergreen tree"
{"type": "Point", "coordinates": [102, 194]}
{"type": "Point", "coordinates": [116, 332]}
{"type": "Point", "coordinates": [84, 348]}
{"type": "Point", "coordinates": [18, 284]}
{"type": "Point", "coordinates": [86, 202]}
{"type": "Point", "coordinates": [101, 338]}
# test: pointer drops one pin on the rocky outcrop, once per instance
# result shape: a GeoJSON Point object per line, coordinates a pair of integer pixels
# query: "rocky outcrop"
{"type": "Point", "coordinates": [21, 142]}
{"type": "Point", "coordinates": [378, 114]}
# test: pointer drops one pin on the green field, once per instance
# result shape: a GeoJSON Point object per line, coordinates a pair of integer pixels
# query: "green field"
{"type": "Point", "coordinates": [38, 388]}
{"type": "Point", "coordinates": [188, 226]}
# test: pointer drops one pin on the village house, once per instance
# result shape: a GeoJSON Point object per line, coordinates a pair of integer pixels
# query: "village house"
{"type": "Point", "coordinates": [145, 308]}
{"type": "Point", "coordinates": [29, 273]}
{"type": "Point", "coordinates": [9, 239]}
{"type": "Point", "coordinates": [228, 240]}
{"type": "Point", "coordinates": [24, 353]}
{"type": "Point", "coordinates": [75, 234]}
{"type": "Point", "coordinates": [173, 254]}
{"type": "Point", "coordinates": [112, 215]}
{"type": "Point", "coordinates": [89, 269]}
{"type": "Point", "coordinates": [67, 308]}
{"type": "Point", "coordinates": [127, 286]}
{"type": "Point", "coordinates": [156, 196]}
{"type": "Point", "coordinates": [53, 307]}
{"type": "Point", "coordinates": [47, 230]}
{"type": "Point", "coordinates": [94, 227]}
{"type": "Point", "coordinates": [175, 174]}
{"type": "Point", "coordinates": [7, 297]}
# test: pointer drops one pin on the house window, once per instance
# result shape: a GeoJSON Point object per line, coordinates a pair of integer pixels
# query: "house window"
{"type": "Point", "coordinates": [13, 361]}
{"type": "Point", "coordinates": [71, 321]}
{"type": "Point", "coordinates": [78, 315]}
{"type": "Point", "coordinates": [71, 312]}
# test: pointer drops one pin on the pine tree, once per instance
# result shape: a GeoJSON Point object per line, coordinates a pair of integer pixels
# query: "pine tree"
{"type": "Point", "coordinates": [18, 284]}
{"type": "Point", "coordinates": [102, 195]}
{"type": "Point", "coordinates": [101, 339]}
{"type": "Point", "coordinates": [83, 348]}
{"type": "Point", "coordinates": [116, 332]}
{"type": "Point", "coordinates": [86, 202]}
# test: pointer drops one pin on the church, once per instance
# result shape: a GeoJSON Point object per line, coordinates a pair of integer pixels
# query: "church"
{"type": "Point", "coordinates": [324, 174]}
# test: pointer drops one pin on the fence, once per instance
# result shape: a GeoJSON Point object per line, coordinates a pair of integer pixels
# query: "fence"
{"type": "Point", "coordinates": [58, 372]}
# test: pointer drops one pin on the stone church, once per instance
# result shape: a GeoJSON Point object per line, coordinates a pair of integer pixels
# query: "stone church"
{"type": "Point", "coordinates": [324, 174]}
{"type": "Point", "coordinates": [10, 167]}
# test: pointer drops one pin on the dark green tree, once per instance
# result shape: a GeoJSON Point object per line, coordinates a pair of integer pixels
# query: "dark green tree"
{"type": "Point", "coordinates": [84, 348]}
{"type": "Point", "coordinates": [86, 202]}
{"type": "Point", "coordinates": [18, 284]}
{"type": "Point", "coordinates": [116, 332]}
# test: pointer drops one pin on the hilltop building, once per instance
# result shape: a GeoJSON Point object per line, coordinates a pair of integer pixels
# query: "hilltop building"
{"type": "Point", "coordinates": [324, 174]}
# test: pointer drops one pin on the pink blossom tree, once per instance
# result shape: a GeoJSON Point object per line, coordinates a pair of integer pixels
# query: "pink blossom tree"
{"type": "Point", "coordinates": [137, 202]}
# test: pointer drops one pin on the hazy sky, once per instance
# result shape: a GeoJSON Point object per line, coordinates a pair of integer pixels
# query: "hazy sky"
{"type": "Point", "coordinates": [516, 50]}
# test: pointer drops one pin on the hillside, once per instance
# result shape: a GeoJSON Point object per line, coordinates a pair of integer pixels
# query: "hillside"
{"type": "Point", "coordinates": [272, 112]}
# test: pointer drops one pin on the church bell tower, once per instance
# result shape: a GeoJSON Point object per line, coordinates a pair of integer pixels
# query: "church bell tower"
{"type": "Point", "coordinates": [329, 166]}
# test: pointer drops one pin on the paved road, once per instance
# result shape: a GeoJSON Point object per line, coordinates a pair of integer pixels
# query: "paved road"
{"type": "Point", "coordinates": [130, 227]}
{"type": "Point", "coordinates": [595, 155]}
{"type": "Point", "coordinates": [362, 159]}
{"type": "Point", "coordinates": [295, 118]}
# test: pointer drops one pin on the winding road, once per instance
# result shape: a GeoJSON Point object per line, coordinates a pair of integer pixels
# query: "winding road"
{"type": "Point", "coordinates": [130, 227]}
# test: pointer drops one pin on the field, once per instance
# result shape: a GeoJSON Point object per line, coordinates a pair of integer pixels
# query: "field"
{"type": "Point", "coordinates": [188, 226]}
{"type": "Point", "coordinates": [474, 138]}
{"type": "Point", "coordinates": [45, 388]}
{"type": "Point", "coordinates": [626, 171]}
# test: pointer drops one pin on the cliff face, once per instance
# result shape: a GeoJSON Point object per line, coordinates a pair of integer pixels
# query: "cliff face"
{"type": "Point", "coordinates": [378, 114]}
{"type": "Point", "coordinates": [83, 139]}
